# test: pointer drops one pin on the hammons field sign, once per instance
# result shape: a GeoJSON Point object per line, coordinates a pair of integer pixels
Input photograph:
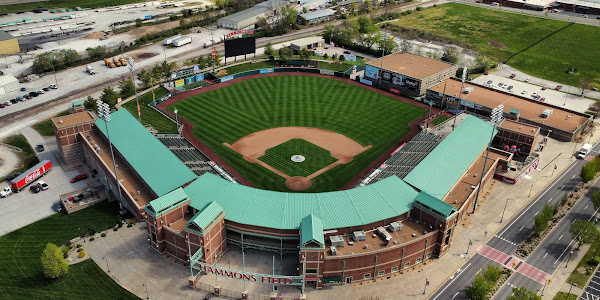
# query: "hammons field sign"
{"type": "Point", "coordinates": [251, 277]}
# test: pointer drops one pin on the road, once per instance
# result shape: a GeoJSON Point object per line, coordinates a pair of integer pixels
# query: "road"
{"type": "Point", "coordinates": [548, 255]}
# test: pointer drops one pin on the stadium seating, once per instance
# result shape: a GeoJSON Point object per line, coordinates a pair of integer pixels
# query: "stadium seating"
{"type": "Point", "coordinates": [187, 153]}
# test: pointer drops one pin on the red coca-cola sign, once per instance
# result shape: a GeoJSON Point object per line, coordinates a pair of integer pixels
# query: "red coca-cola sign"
{"type": "Point", "coordinates": [31, 175]}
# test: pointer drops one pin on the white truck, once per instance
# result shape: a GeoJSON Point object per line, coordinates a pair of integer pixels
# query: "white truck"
{"type": "Point", "coordinates": [90, 70]}
{"type": "Point", "coordinates": [5, 192]}
{"type": "Point", "coordinates": [184, 40]}
{"type": "Point", "coordinates": [170, 40]}
{"type": "Point", "coordinates": [585, 150]}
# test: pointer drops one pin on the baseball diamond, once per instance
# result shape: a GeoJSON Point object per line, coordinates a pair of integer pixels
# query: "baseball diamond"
{"type": "Point", "coordinates": [225, 115]}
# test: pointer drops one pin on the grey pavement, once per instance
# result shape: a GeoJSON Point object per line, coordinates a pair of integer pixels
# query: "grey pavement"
{"type": "Point", "coordinates": [23, 208]}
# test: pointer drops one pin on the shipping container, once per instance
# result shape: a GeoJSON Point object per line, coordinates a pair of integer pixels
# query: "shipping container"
{"type": "Point", "coordinates": [170, 40]}
{"type": "Point", "coordinates": [30, 175]}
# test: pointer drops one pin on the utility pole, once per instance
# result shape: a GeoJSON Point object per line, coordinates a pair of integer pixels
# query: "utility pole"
{"type": "Point", "coordinates": [132, 69]}
{"type": "Point", "coordinates": [464, 77]}
{"type": "Point", "coordinates": [212, 39]}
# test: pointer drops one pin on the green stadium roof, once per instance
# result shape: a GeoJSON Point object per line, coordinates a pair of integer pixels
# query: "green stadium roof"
{"type": "Point", "coordinates": [167, 201]}
{"type": "Point", "coordinates": [157, 165]}
{"type": "Point", "coordinates": [447, 163]}
{"type": "Point", "coordinates": [384, 199]}
{"type": "Point", "coordinates": [435, 205]}
{"type": "Point", "coordinates": [205, 217]}
{"type": "Point", "coordinates": [311, 230]}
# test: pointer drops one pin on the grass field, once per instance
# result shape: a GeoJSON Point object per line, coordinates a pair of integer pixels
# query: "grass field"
{"type": "Point", "coordinates": [149, 115]}
{"type": "Point", "coordinates": [439, 120]}
{"type": "Point", "coordinates": [587, 261]}
{"type": "Point", "coordinates": [28, 157]}
{"type": "Point", "coordinates": [541, 47]}
{"type": "Point", "coordinates": [279, 157]}
{"type": "Point", "coordinates": [20, 269]}
{"type": "Point", "coordinates": [563, 296]}
{"type": "Point", "coordinates": [44, 128]}
{"type": "Point", "coordinates": [54, 4]}
{"type": "Point", "coordinates": [232, 112]}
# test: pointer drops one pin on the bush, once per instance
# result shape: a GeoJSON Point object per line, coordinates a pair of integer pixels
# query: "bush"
{"type": "Point", "coordinates": [132, 221]}
{"type": "Point", "coordinates": [80, 249]}
{"type": "Point", "coordinates": [78, 245]}
{"type": "Point", "coordinates": [129, 225]}
{"type": "Point", "coordinates": [65, 251]}
{"type": "Point", "coordinates": [92, 239]}
{"type": "Point", "coordinates": [81, 254]}
{"type": "Point", "coordinates": [116, 228]}
{"type": "Point", "coordinates": [103, 234]}
{"type": "Point", "coordinates": [419, 8]}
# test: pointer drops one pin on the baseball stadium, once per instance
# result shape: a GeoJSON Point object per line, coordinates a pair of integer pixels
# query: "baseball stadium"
{"type": "Point", "coordinates": [341, 175]}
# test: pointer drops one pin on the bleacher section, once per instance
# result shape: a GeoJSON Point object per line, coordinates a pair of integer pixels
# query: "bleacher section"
{"type": "Point", "coordinates": [409, 156]}
{"type": "Point", "coordinates": [187, 153]}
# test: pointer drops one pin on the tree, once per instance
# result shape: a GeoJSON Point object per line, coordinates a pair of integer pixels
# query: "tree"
{"type": "Point", "coordinates": [285, 53]}
{"type": "Point", "coordinates": [406, 46]}
{"type": "Point", "coordinates": [304, 10]}
{"type": "Point", "coordinates": [53, 262]}
{"type": "Point", "coordinates": [541, 220]}
{"type": "Point", "coordinates": [126, 87]}
{"type": "Point", "coordinates": [109, 96]}
{"type": "Point", "coordinates": [491, 273]}
{"type": "Point", "coordinates": [479, 289]}
{"type": "Point", "coordinates": [96, 52]}
{"type": "Point", "coordinates": [202, 62]}
{"type": "Point", "coordinates": [584, 84]}
{"type": "Point", "coordinates": [596, 200]}
{"type": "Point", "coordinates": [588, 172]}
{"type": "Point", "coordinates": [90, 103]}
{"type": "Point", "coordinates": [342, 58]}
{"type": "Point", "coordinates": [353, 6]}
{"type": "Point", "coordinates": [366, 26]}
{"type": "Point", "coordinates": [165, 70]}
{"type": "Point", "coordinates": [304, 53]}
{"type": "Point", "coordinates": [269, 49]}
{"type": "Point", "coordinates": [450, 55]}
{"type": "Point", "coordinates": [523, 293]}
{"type": "Point", "coordinates": [583, 231]}
{"type": "Point", "coordinates": [139, 22]}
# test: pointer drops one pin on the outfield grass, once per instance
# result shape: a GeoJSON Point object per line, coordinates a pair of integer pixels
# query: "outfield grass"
{"type": "Point", "coordinates": [20, 269]}
{"type": "Point", "coordinates": [149, 115]}
{"type": "Point", "coordinates": [44, 128]}
{"type": "Point", "coordinates": [230, 113]}
{"type": "Point", "coordinates": [439, 120]}
{"type": "Point", "coordinates": [549, 46]}
{"type": "Point", "coordinates": [316, 158]}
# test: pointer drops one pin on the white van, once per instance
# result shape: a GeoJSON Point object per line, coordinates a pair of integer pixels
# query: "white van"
{"type": "Point", "coordinates": [495, 4]}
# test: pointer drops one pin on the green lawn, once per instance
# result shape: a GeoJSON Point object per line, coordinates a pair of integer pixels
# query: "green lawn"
{"type": "Point", "coordinates": [232, 112]}
{"type": "Point", "coordinates": [563, 296]}
{"type": "Point", "coordinates": [149, 115]}
{"type": "Point", "coordinates": [439, 120]}
{"type": "Point", "coordinates": [28, 156]}
{"type": "Point", "coordinates": [44, 128]}
{"type": "Point", "coordinates": [279, 157]}
{"type": "Point", "coordinates": [541, 47]}
{"type": "Point", "coordinates": [586, 262]}
{"type": "Point", "coordinates": [20, 269]}
{"type": "Point", "coordinates": [238, 68]}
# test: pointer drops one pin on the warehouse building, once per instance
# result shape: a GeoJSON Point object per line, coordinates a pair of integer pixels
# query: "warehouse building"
{"type": "Point", "coordinates": [556, 121]}
{"type": "Point", "coordinates": [407, 74]}
{"type": "Point", "coordinates": [8, 83]}
{"type": "Point", "coordinates": [310, 43]}
{"type": "Point", "coordinates": [251, 16]}
{"type": "Point", "coordinates": [315, 17]}
{"type": "Point", "coordinates": [8, 44]}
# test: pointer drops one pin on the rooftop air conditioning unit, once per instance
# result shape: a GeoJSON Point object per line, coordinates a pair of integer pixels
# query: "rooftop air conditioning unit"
{"type": "Point", "coordinates": [468, 90]}
{"type": "Point", "coordinates": [333, 250]}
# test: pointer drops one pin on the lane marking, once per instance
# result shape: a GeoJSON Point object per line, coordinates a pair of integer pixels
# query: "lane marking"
{"type": "Point", "coordinates": [450, 283]}
{"type": "Point", "coordinates": [545, 255]}
{"type": "Point", "coordinates": [586, 206]}
{"type": "Point", "coordinates": [573, 176]}
{"type": "Point", "coordinates": [521, 228]}
{"type": "Point", "coordinates": [550, 200]}
{"type": "Point", "coordinates": [538, 198]}
{"type": "Point", "coordinates": [455, 295]}
{"type": "Point", "coordinates": [572, 240]}
{"type": "Point", "coordinates": [560, 237]}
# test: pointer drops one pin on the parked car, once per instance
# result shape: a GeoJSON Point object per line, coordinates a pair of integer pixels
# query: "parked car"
{"type": "Point", "coordinates": [46, 89]}
{"type": "Point", "coordinates": [16, 99]}
{"type": "Point", "coordinates": [53, 86]}
{"type": "Point", "coordinates": [2, 105]}
{"type": "Point", "coordinates": [319, 53]}
{"type": "Point", "coordinates": [56, 207]}
{"type": "Point", "coordinates": [513, 75]}
{"type": "Point", "coordinates": [35, 189]}
{"type": "Point", "coordinates": [485, 73]}
{"type": "Point", "coordinates": [527, 79]}
{"type": "Point", "coordinates": [23, 89]}
{"type": "Point", "coordinates": [7, 103]}
{"type": "Point", "coordinates": [347, 52]}
{"type": "Point", "coordinates": [39, 148]}
{"type": "Point", "coordinates": [41, 92]}
{"type": "Point", "coordinates": [33, 94]}
{"type": "Point", "coordinates": [534, 94]}
{"type": "Point", "coordinates": [43, 185]}
{"type": "Point", "coordinates": [79, 177]}
{"type": "Point", "coordinates": [558, 87]}
{"type": "Point", "coordinates": [584, 16]}
{"type": "Point", "coordinates": [25, 97]}
{"type": "Point", "coordinates": [542, 99]}
{"type": "Point", "coordinates": [489, 82]}
{"type": "Point", "coordinates": [544, 88]}
{"type": "Point", "coordinates": [524, 92]}
{"type": "Point", "coordinates": [510, 87]}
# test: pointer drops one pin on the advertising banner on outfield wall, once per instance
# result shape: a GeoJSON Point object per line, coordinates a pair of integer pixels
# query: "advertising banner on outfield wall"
{"type": "Point", "coordinates": [264, 71]}
{"type": "Point", "coordinates": [367, 82]}
{"type": "Point", "coordinates": [179, 82]}
{"type": "Point", "coordinates": [327, 72]}
{"type": "Point", "coordinates": [467, 103]}
{"type": "Point", "coordinates": [372, 72]}
{"type": "Point", "coordinates": [196, 69]}
{"type": "Point", "coordinates": [227, 78]}
{"type": "Point", "coordinates": [199, 77]}
{"type": "Point", "coordinates": [350, 57]}
{"type": "Point", "coordinates": [190, 80]}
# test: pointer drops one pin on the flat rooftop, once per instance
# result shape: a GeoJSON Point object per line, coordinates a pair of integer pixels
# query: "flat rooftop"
{"type": "Point", "coordinates": [529, 109]}
{"type": "Point", "coordinates": [180, 224]}
{"type": "Point", "coordinates": [129, 180]}
{"type": "Point", "coordinates": [374, 242]}
{"type": "Point", "coordinates": [519, 127]}
{"type": "Point", "coordinates": [411, 65]}
{"type": "Point", "coordinates": [461, 191]}
{"type": "Point", "coordinates": [72, 119]}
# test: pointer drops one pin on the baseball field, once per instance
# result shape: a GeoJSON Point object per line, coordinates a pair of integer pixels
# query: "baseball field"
{"type": "Point", "coordinates": [273, 118]}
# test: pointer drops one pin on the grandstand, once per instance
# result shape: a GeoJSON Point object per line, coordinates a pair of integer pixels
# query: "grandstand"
{"type": "Point", "coordinates": [188, 154]}
{"type": "Point", "coordinates": [401, 163]}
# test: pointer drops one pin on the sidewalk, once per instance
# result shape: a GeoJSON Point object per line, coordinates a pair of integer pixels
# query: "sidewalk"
{"type": "Point", "coordinates": [563, 272]}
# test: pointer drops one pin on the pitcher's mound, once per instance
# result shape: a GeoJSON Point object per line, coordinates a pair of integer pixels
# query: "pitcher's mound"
{"type": "Point", "coordinates": [298, 183]}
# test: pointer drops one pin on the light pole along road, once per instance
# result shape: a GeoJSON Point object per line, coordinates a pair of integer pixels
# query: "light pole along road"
{"type": "Point", "coordinates": [549, 255]}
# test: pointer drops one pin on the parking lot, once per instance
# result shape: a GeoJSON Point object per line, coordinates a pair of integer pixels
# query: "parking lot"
{"type": "Point", "coordinates": [552, 96]}
{"type": "Point", "coordinates": [592, 291]}
{"type": "Point", "coordinates": [26, 207]}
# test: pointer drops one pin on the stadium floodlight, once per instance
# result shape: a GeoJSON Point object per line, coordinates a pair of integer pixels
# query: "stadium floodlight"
{"type": "Point", "coordinates": [104, 114]}
{"type": "Point", "coordinates": [496, 119]}
{"type": "Point", "coordinates": [462, 83]}
{"type": "Point", "coordinates": [176, 120]}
